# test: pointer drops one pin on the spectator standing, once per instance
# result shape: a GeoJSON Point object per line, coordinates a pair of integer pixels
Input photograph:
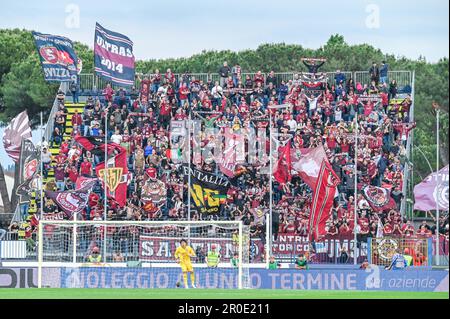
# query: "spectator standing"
{"type": "Point", "coordinates": [213, 257]}
{"type": "Point", "coordinates": [384, 72]}
{"type": "Point", "coordinates": [374, 72]}
{"type": "Point", "coordinates": [273, 265]}
{"type": "Point", "coordinates": [339, 77]}
{"type": "Point", "coordinates": [224, 72]}
{"type": "Point", "coordinates": [75, 89]}
{"type": "Point", "coordinates": [236, 74]}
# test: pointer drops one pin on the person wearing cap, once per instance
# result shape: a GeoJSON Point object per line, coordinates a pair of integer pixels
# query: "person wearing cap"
{"type": "Point", "coordinates": [213, 257]}
{"type": "Point", "coordinates": [95, 257]}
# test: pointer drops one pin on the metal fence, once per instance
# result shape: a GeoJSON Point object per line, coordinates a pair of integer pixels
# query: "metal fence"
{"type": "Point", "coordinates": [92, 82]}
{"type": "Point", "coordinates": [382, 250]}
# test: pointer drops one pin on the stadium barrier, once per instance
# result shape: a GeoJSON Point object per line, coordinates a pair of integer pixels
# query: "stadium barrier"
{"type": "Point", "coordinates": [94, 83]}
{"type": "Point", "coordinates": [371, 279]}
{"type": "Point", "coordinates": [333, 250]}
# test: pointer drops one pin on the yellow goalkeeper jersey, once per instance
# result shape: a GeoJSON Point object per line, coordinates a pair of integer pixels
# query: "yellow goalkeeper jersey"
{"type": "Point", "coordinates": [184, 254]}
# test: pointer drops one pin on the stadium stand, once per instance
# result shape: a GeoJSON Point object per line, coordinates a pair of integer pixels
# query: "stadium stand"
{"type": "Point", "coordinates": [322, 112]}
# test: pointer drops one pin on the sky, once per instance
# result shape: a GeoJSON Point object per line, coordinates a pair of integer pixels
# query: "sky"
{"type": "Point", "coordinates": [179, 28]}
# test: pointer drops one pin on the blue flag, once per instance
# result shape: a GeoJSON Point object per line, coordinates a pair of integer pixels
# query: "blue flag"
{"type": "Point", "coordinates": [113, 56]}
{"type": "Point", "coordinates": [58, 57]}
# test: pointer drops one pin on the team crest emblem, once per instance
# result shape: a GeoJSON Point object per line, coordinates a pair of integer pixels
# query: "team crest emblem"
{"type": "Point", "coordinates": [30, 169]}
{"type": "Point", "coordinates": [378, 196]}
{"type": "Point", "coordinates": [113, 177]}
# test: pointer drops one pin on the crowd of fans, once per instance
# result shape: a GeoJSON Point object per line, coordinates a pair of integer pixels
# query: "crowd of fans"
{"type": "Point", "coordinates": [318, 112]}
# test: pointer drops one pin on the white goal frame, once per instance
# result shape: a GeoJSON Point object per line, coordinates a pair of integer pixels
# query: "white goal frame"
{"type": "Point", "coordinates": [42, 224]}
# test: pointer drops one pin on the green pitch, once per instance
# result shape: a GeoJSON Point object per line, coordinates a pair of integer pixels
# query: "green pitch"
{"type": "Point", "coordinates": [47, 293]}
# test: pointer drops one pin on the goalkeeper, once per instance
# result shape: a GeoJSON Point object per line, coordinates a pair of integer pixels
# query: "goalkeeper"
{"type": "Point", "coordinates": [183, 256]}
{"type": "Point", "coordinates": [213, 257]}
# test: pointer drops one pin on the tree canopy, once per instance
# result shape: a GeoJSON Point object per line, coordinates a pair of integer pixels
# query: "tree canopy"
{"type": "Point", "coordinates": [22, 82]}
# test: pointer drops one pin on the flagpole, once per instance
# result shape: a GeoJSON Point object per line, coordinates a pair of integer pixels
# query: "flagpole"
{"type": "Point", "coordinates": [355, 222]}
{"type": "Point", "coordinates": [437, 185]}
{"type": "Point", "coordinates": [104, 183]}
{"type": "Point", "coordinates": [269, 219]}
{"type": "Point", "coordinates": [188, 139]}
{"type": "Point", "coordinates": [42, 170]}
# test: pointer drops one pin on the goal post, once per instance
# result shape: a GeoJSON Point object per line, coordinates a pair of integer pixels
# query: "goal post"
{"type": "Point", "coordinates": [141, 254]}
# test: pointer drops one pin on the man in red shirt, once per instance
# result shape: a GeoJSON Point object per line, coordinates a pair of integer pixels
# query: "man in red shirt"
{"type": "Point", "coordinates": [76, 119]}
{"type": "Point", "coordinates": [73, 173]}
{"type": "Point", "coordinates": [64, 149]}
{"type": "Point", "coordinates": [86, 167]}
{"type": "Point", "coordinates": [169, 76]}
{"type": "Point", "coordinates": [93, 202]}
{"type": "Point", "coordinates": [164, 112]}
{"type": "Point", "coordinates": [183, 93]}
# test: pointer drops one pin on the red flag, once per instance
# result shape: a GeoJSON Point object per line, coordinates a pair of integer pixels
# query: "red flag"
{"type": "Point", "coordinates": [95, 144]}
{"type": "Point", "coordinates": [116, 177]}
{"type": "Point", "coordinates": [282, 170]}
{"type": "Point", "coordinates": [323, 197]}
{"type": "Point", "coordinates": [307, 162]}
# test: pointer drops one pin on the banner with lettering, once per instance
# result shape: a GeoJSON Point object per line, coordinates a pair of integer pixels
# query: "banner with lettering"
{"type": "Point", "coordinates": [57, 56]}
{"type": "Point", "coordinates": [207, 189]}
{"type": "Point", "coordinates": [113, 56]}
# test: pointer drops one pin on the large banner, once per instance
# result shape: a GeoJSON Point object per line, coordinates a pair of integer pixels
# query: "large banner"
{"type": "Point", "coordinates": [432, 189]}
{"type": "Point", "coordinates": [374, 279]}
{"type": "Point", "coordinates": [113, 56]}
{"type": "Point", "coordinates": [286, 248]}
{"type": "Point", "coordinates": [207, 189]}
{"type": "Point", "coordinates": [57, 56]}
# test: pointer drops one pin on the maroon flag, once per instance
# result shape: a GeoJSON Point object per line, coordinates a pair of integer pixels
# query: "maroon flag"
{"type": "Point", "coordinates": [307, 162]}
{"type": "Point", "coordinates": [379, 198]}
{"type": "Point", "coordinates": [71, 202]}
{"type": "Point", "coordinates": [323, 197]}
{"type": "Point", "coordinates": [282, 170]}
{"type": "Point", "coordinates": [432, 189]}
{"type": "Point", "coordinates": [85, 182]}
{"type": "Point", "coordinates": [227, 160]}
{"type": "Point", "coordinates": [17, 130]}
{"type": "Point", "coordinates": [116, 176]}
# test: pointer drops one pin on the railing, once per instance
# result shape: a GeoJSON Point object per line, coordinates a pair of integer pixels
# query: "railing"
{"type": "Point", "coordinates": [49, 127]}
{"type": "Point", "coordinates": [92, 82]}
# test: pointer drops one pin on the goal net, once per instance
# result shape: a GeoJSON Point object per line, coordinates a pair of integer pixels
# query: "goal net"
{"type": "Point", "coordinates": [141, 254]}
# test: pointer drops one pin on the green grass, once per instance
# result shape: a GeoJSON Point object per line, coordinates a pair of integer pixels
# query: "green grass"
{"type": "Point", "coordinates": [55, 293]}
